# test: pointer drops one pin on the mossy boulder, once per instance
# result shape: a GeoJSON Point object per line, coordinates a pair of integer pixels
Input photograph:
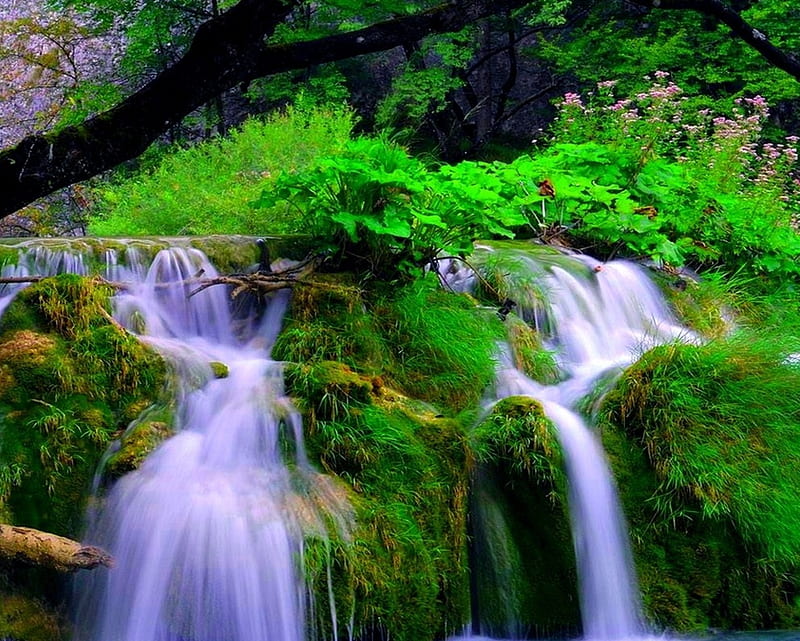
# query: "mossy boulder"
{"type": "Point", "coordinates": [219, 370]}
{"type": "Point", "coordinates": [524, 562]}
{"type": "Point", "coordinates": [70, 381]}
{"type": "Point", "coordinates": [527, 352]}
{"type": "Point", "coordinates": [404, 573]}
{"type": "Point", "coordinates": [137, 443]}
{"type": "Point", "coordinates": [25, 619]}
{"type": "Point", "coordinates": [403, 569]}
{"type": "Point", "coordinates": [705, 444]}
{"type": "Point", "coordinates": [518, 435]}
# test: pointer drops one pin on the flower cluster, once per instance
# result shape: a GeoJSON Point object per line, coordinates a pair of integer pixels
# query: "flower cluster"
{"type": "Point", "coordinates": [658, 122]}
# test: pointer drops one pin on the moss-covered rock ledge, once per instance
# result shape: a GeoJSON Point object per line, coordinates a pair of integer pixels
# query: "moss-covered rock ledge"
{"type": "Point", "coordinates": [703, 440]}
{"type": "Point", "coordinates": [705, 445]}
{"type": "Point", "coordinates": [70, 381]}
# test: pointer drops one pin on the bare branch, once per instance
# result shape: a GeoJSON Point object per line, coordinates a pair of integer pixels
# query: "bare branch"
{"type": "Point", "coordinates": [740, 27]}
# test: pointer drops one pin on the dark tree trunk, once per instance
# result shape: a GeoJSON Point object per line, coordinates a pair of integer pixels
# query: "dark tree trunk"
{"type": "Point", "coordinates": [229, 50]}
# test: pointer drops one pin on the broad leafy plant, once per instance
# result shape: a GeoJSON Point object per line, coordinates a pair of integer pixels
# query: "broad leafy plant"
{"type": "Point", "coordinates": [375, 206]}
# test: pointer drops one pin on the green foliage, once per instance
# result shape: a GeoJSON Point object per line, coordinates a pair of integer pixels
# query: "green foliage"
{"type": "Point", "coordinates": [378, 207]}
{"type": "Point", "coordinates": [647, 176]}
{"type": "Point", "coordinates": [720, 424]}
{"type": "Point", "coordinates": [70, 379]}
{"type": "Point", "coordinates": [517, 434]}
{"type": "Point", "coordinates": [421, 89]}
{"type": "Point", "coordinates": [208, 188]}
{"type": "Point", "coordinates": [701, 54]}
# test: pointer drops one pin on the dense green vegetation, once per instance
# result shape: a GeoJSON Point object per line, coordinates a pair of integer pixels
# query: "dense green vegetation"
{"type": "Point", "coordinates": [601, 127]}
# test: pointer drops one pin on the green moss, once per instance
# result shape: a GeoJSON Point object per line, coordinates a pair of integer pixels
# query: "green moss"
{"type": "Point", "coordinates": [24, 619]}
{"type": "Point", "coordinates": [139, 441]}
{"type": "Point", "coordinates": [705, 445]}
{"type": "Point", "coordinates": [328, 320]}
{"type": "Point", "coordinates": [220, 370]}
{"type": "Point", "coordinates": [404, 571]}
{"type": "Point", "coordinates": [66, 390]}
{"type": "Point", "coordinates": [527, 352]}
{"type": "Point", "coordinates": [329, 389]}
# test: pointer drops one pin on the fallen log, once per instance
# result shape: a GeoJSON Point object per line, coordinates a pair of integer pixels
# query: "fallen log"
{"type": "Point", "coordinates": [27, 546]}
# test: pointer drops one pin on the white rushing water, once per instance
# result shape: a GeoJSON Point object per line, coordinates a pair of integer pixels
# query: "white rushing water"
{"type": "Point", "coordinates": [205, 535]}
{"type": "Point", "coordinates": [204, 544]}
{"type": "Point", "coordinates": [598, 318]}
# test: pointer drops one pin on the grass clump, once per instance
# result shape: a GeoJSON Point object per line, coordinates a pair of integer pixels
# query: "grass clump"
{"type": "Point", "coordinates": [705, 444]}
{"type": "Point", "coordinates": [209, 188]}
{"type": "Point", "coordinates": [443, 347]}
{"type": "Point", "coordinates": [517, 434]}
{"type": "Point", "coordinates": [329, 320]}
{"type": "Point", "coordinates": [70, 380]}
{"type": "Point", "coordinates": [431, 344]}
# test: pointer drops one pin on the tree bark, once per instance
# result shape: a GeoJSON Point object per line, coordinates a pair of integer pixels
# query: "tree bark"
{"type": "Point", "coordinates": [739, 26]}
{"type": "Point", "coordinates": [226, 51]}
{"type": "Point", "coordinates": [34, 547]}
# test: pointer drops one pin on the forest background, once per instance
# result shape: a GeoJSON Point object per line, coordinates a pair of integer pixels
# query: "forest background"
{"type": "Point", "coordinates": [665, 132]}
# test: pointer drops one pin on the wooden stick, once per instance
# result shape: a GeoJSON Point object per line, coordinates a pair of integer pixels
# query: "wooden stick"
{"type": "Point", "coordinates": [34, 547]}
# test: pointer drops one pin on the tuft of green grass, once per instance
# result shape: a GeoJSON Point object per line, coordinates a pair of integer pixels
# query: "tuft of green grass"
{"type": "Point", "coordinates": [208, 188]}
{"type": "Point", "coordinates": [720, 424]}
{"type": "Point", "coordinates": [517, 434]}
{"type": "Point", "coordinates": [443, 346]}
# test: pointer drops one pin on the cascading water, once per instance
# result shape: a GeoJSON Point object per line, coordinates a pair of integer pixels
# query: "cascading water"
{"type": "Point", "coordinates": [597, 318]}
{"type": "Point", "coordinates": [200, 537]}
{"type": "Point", "coordinates": [206, 534]}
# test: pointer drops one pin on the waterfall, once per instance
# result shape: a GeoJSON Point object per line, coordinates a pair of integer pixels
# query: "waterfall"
{"type": "Point", "coordinates": [200, 535]}
{"type": "Point", "coordinates": [597, 318]}
{"type": "Point", "coordinates": [206, 534]}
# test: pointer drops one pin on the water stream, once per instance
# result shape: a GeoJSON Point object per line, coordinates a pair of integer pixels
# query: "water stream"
{"type": "Point", "coordinates": [204, 545]}
{"type": "Point", "coordinates": [205, 534]}
{"type": "Point", "coordinates": [596, 318]}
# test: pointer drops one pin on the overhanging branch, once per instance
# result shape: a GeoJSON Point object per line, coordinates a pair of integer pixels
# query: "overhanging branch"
{"type": "Point", "coordinates": [740, 27]}
{"type": "Point", "coordinates": [225, 52]}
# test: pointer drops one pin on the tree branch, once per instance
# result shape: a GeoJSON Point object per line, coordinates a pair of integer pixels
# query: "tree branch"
{"type": "Point", "coordinates": [34, 547]}
{"type": "Point", "coordinates": [740, 27]}
{"type": "Point", "coordinates": [225, 52]}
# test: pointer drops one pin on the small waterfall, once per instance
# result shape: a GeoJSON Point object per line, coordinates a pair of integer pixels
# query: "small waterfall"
{"type": "Point", "coordinates": [598, 318]}
{"type": "Point", "coordinates": [207, 533]}
{"type": "Point", "coordinates": [202, 534]}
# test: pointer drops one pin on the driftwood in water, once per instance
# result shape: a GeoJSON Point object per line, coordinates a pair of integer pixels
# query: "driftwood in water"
{"type": "Point", "coordinates": [261, 282]}
{"type": "Point", "coordinates": [33, 547]}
